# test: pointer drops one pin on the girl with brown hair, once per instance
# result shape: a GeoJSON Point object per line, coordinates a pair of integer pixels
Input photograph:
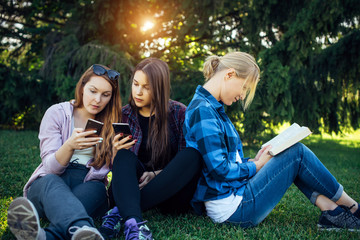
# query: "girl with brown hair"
{"type": "Point", "coordinates": [152, 167]}
{"type": "Point", "coordinates": [68, 187]}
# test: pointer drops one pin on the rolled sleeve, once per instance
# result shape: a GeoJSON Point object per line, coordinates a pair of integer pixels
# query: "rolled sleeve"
{"type": "Point", "coordinates": [252, 168]}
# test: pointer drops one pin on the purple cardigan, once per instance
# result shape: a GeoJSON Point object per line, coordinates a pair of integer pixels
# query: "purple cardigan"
{"type": "Point", "coordinates": [55, 129]}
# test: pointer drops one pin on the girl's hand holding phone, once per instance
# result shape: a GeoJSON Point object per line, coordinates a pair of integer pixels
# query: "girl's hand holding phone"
{"type": "Point", "coordinates": [120, 142]}
{"type": "Point", "coordinates": [79, 139]}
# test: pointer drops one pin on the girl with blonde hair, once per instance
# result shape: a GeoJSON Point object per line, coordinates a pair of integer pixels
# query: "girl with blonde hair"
{"type": "Point", "coordinates": [243, 191]}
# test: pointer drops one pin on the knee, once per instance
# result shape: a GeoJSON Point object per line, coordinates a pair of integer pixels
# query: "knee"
{"type": "Point", "coordinates": [124, 158]}
{"type": "Point", "coordinates": [51, 179]}
{"type": "Point", "coordinates": [100, 187]}
{"type": "Point", "coordinates": [193, 152]}
{"type": "Point", "coordinates": [302, 149]}
{"type": "Point", "coordinates": [45, 184]}
{"type": "Point", "coordinates": [192, 159]}
{"type": "Point", "coordinates": [97, 189]}
{"type": "Point", "coordinates": [299, 146]}
{"type": "Point", "coordinates": [293, 153]}
{"type": "Point", "coordinates": [298, 152]}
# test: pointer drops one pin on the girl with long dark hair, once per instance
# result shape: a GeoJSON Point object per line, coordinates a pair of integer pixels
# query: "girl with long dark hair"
{"type": "Point", "coordinates": [152, 167]}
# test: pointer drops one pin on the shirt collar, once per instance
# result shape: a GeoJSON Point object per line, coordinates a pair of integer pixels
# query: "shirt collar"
{"type": "Point", "coordinates": [218, 105]}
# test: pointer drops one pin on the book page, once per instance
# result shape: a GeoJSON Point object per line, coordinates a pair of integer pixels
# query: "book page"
{"type": "Point", "coordinates": [287, 138]}
{"type": "Point", "coordinates": [283, 136]}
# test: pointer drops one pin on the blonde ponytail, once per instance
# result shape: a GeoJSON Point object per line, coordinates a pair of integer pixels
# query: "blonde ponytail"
{"type": "Point", "coordinates": [244, 65]}
{"type": "Point", "coordinates": [211, 66]}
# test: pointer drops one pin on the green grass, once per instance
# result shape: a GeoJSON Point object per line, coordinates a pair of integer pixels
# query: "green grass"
{"type": "Point", "coordinates": [293, 218]}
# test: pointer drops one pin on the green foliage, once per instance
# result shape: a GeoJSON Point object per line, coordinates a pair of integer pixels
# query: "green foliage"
{"type": "Point", "coordinates": [337, 69]}
{"type": "Point", "coordinates": [275, 86]}
{"type": "Point", "coordinates": [307, 50]}
{"type": "Point", "coordinates": [20, 90]}
{"type": "Point", "coordinates": [68, 60]}
{"type": "Point", "coordinates": [183, 85]}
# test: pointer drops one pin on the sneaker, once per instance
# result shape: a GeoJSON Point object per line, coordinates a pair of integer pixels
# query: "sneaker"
{"type": "Point", "coordinates": [110, 227]}
{"type": "Point", "coordinates": [85, 233]}
{"type": "Point", "coordinates": [357, 212]}
{"type": "Point", "coordinates": [136, 231]}
{"type": "Point", "coordinates": [23, 220]}
{"type": "Point", "coordinates": [344, 220]}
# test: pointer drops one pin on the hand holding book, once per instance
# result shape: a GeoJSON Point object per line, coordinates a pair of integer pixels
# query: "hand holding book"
{"type": "Point", "coordinates": [287, 138]}
{"type": "Point", "coordinates": [262, 157]}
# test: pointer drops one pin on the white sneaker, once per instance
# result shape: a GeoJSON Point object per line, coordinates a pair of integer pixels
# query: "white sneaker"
{"type": "Point", "coordinates": [23, 220]}
{"type": "Point", "coordinates": [85, 233]}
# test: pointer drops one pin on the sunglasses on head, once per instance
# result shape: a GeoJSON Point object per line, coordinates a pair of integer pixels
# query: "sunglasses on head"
{"type": "Point", "coordinates": [99, 70]}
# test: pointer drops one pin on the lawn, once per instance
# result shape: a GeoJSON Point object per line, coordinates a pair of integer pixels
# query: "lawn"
{"type": "Point", "coordinates": [293, 218]}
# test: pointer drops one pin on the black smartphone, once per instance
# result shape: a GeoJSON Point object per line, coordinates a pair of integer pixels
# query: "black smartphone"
{"type": "Point", "coordinates": [122, 128]}
{"type": "Point", "coordinates": [92, 125]}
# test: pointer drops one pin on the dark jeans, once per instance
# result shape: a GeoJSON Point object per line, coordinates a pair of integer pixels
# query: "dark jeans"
{"type": "Point", "coordinates": [171, 190]}
{"type": "Point", "coordinates": [67, 201]}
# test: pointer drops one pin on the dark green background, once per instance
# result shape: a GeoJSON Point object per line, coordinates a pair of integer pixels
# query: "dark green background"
{"type": "Point", "coordinates": [308, 52]}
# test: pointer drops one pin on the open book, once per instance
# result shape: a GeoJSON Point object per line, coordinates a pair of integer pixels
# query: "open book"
{"type": "Point", "coordinates": [287, 138]}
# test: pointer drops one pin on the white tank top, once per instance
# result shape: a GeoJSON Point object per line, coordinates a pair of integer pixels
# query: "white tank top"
{"type": "Point", "coordinates": [81, 156]}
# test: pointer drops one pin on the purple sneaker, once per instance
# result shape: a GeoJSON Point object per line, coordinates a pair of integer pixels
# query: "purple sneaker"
{"type": "Point", "coordinates": [136, 231]}
{"type": "Point", "coordinates": [111, 224]}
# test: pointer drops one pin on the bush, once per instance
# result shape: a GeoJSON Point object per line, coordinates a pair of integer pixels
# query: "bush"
{"type": "Point", "coordinates": [24, 97]}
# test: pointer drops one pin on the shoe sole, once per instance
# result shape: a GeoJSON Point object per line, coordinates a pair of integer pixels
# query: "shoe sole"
{"type": "Point", "coordinates": [87, 235]}
{"type": "Point", "coordinates": [23, 219]}
{"type": "Point", "coordinates": [331, 228]}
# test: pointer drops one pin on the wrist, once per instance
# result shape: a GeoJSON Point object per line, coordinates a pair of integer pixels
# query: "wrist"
{"type": "Point", "coordinates": [67, 146]}
{"type": "Point", "coordinates": [258, 165]}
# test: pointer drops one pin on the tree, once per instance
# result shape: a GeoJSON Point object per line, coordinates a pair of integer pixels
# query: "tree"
{"type": "Point", "coordinates": [309, 71]}
{"type": "Point", "coordinates": [307, 51]}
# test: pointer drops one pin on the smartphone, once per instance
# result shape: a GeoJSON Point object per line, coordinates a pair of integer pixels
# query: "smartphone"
{"type": "Point", "coordinates": [92, 125]}
{"type": "Point", "coordinates": [122, 128]}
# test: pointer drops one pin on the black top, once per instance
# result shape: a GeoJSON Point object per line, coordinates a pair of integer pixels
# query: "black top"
{"type": "Point", "coordinates": [144, 155]}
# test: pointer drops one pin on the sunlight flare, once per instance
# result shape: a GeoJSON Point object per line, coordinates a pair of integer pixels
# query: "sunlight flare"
{"type": "Point", "coordinates": [147, 25]}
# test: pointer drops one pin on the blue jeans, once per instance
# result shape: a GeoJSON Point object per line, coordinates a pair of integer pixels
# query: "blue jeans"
{"type": "Point", "coordinates": [67, 201]}
{"type": "Point", "coordinates": [297, 165]}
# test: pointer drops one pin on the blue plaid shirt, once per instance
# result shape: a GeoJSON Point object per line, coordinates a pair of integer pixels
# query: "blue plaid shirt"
{"type": "Point", "coordinates": [208, 129]}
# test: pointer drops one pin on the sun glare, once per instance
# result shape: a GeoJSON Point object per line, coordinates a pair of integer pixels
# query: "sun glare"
{"type": "Point", "coordinates": [148, 25]}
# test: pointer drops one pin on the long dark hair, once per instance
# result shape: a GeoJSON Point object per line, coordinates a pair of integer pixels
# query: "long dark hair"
{"type": "Point", "coordinates": [158, 76]}
{"type": "Point", "coordinates": [111, 113]}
